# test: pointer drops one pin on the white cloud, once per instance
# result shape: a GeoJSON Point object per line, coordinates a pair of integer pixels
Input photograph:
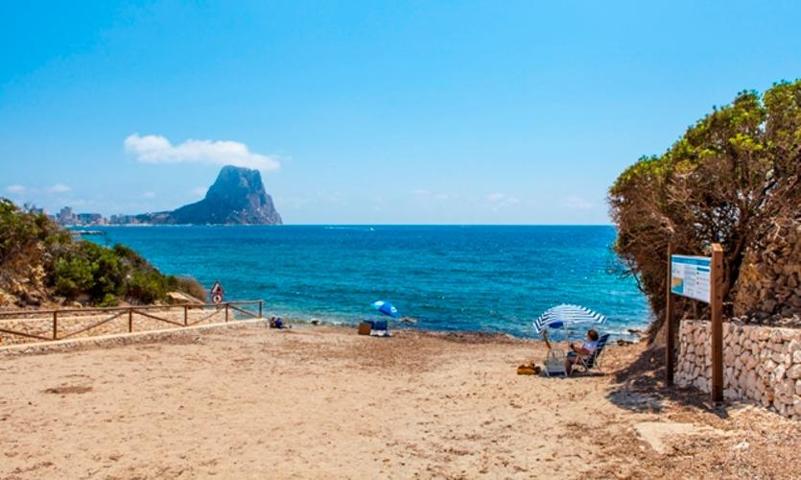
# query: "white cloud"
{"type": "Point", "coordinates": [149, 195]}
{"type": "Point", "coordinates": [577, 203]}
{"type": "Point", "coordinates": [59, 188]}
{"type": "Point", "coordinates": [15, 189]}
{"type": "Point", "coordinates": [199, 191]}
{"type": "Point", "coordinates": [158, 149]}
{"type": "Point", "coordinates": [500, 200]}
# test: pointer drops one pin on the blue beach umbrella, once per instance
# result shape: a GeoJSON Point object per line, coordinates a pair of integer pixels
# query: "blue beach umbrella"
{"type": "Point", "coordinates": [567, 317]}
{"type": "Point", "coordinates": [386, 308]}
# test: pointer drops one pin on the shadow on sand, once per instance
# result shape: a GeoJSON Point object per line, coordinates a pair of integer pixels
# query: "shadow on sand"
{"type": "Point", "coordinates": [640, 387]}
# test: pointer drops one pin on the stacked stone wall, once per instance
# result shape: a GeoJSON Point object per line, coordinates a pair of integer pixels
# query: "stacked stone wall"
{"type": "Point", "coordinates": [768, 288]}
{"type": "Point", "coordinates": [761, 364]}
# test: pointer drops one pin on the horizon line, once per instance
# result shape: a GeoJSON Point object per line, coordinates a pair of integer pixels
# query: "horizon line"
{"type": "Point", "coordinates": [366, 225]}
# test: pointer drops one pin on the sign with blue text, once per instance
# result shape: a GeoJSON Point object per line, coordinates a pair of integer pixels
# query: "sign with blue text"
{"type": "Point", "coordinates": [691, 277]}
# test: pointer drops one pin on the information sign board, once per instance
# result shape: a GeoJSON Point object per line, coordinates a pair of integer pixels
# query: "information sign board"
{"type": "Point", "coordinates": [690, 276]}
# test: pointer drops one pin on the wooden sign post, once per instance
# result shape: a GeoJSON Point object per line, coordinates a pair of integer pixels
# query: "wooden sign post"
{"type": "Point", "coordinates": [716, 313]}
{"type": "Point", "coordinates": [670, 335]}
{"type": "Point", "coordinates": [700, 279]}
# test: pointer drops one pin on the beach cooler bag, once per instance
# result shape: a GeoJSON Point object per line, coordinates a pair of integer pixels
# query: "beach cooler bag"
{"type": "Point", "coordinates": [365, 328]}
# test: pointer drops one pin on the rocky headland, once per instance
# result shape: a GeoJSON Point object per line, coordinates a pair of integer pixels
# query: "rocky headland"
{"type": "Point", "coordinates": [237, 197]}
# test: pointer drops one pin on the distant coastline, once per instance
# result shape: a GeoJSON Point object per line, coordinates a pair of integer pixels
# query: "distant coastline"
{"type": "Point", "coordinates": [237, 197]}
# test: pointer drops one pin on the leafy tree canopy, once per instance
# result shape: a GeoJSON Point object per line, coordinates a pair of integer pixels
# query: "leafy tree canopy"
{"type": "Point", "coordinates": [729, 179]}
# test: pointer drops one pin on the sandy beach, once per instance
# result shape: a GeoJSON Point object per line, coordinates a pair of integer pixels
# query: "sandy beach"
{"type": "Point", "coordinates": [323, 402]}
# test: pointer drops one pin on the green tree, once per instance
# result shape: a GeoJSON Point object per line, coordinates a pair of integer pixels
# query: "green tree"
{"type": "Point", "coordinates": [726, 180]}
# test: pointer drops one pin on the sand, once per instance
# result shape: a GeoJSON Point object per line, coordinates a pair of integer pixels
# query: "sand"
{"type": "Point", "coordinates": [323, 402]}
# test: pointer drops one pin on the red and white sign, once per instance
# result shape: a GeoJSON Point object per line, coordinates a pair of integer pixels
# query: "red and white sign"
{"type": "Point", "coordinates": [217, 293]}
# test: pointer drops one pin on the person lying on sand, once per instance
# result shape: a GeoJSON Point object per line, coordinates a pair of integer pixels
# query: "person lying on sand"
{"type": "Point", "coordinates": [586, 349]}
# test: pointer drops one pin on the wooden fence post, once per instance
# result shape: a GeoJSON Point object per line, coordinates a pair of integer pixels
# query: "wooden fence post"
{"type": "Point", "coordinates": [226, 312]}
{"type": "Point", "coordinates": [261, 308]}
{"type": "Point", "coordinates": [669, 327]}
{"type": "Point", "coordinates": [716, 308]}
{"type": "Point", "coordinates": [55, 325]}
{"type": "Point", "coordinates": [186, 315]}
{"type": "Point", "coordinates": [130, 320]}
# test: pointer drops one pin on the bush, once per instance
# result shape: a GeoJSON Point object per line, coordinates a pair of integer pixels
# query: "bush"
{"type": "Point", "coordinates": [190, 286]}
{"type": "Point", "coordinates": [146, 286]}
{"type": "Point", "coordinates": [131, 257]}
{"type": "Point", "coordinates": [108, 271]}
{"type": "Point", "coordinates": [73, 276]}
{"type": "Point", "coordinates": [19, 229]}
{"type": "Point", "coordinates": [32, 242]}
{"type": "Point", "coordinates": [109, 300]}
{"type": "Point", "coordinates": [90, 270]}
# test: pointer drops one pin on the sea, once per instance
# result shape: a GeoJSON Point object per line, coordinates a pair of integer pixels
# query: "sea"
{"type": "Point", "coordinates": [495, 279]}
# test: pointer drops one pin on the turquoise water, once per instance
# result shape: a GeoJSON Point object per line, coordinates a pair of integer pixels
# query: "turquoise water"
{"type": "Point", "coordinates": [472, 278]}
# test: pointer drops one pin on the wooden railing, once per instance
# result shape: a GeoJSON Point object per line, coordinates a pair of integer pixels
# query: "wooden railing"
{"type": "Point", "coordinates": [11, 322]}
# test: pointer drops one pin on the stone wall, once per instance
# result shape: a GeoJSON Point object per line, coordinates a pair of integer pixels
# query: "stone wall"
{"type": "Point", "coordinates": [768, 288]}
{"type": "Point", "coordinates": [761, 364]}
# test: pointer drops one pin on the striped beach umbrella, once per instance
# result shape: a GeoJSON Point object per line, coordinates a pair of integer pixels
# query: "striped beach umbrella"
{"type": "Point", "coordinates": [567, 316]}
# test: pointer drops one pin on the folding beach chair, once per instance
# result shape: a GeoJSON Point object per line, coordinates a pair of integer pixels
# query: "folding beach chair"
{"type": "Point", "coordinates": [594, 360]}
{"type": "Point", "coordinates": [554, 365]}
{"type": "Point", "coordinates": [380, 328]}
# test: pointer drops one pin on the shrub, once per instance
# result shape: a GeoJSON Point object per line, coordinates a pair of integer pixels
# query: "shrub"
{"type": "Point", "coordinates": [73, 276]}
{"type": "Point", "coordinates": [109, 300]}
{"type": "Point", "coordinates": [190, 286]}
{"type": "Point", "coordinates": [146, 286]}
{"type": "Point", "coordinates": [32, 242]}
{"type": "Point", "coordinates": [108, 271]}
{"type": "Point", "coordinates": [128, 255]}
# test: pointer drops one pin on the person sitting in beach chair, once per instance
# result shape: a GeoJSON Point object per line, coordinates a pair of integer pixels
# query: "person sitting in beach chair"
{"type": "Point", "coordinates": [594, 360]}
{"type": "Point", "coordinates": [580, 355]}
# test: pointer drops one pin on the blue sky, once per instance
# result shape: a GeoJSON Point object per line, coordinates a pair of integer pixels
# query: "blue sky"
{"type": "Point", "coordinates": [368, 112]}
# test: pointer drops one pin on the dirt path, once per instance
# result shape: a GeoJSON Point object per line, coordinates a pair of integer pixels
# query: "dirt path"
{"type": "Point", "coordinates": [326, 403]}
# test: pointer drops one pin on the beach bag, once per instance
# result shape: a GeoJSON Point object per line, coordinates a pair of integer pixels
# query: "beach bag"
{"type": "Point", "coordinates": [365, 328]}
{"type": "Point", "coordinates": [529, 369]}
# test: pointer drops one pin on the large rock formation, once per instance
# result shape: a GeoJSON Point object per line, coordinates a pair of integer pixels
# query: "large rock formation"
{"type": "Point", "coordinates": [236, 198]}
